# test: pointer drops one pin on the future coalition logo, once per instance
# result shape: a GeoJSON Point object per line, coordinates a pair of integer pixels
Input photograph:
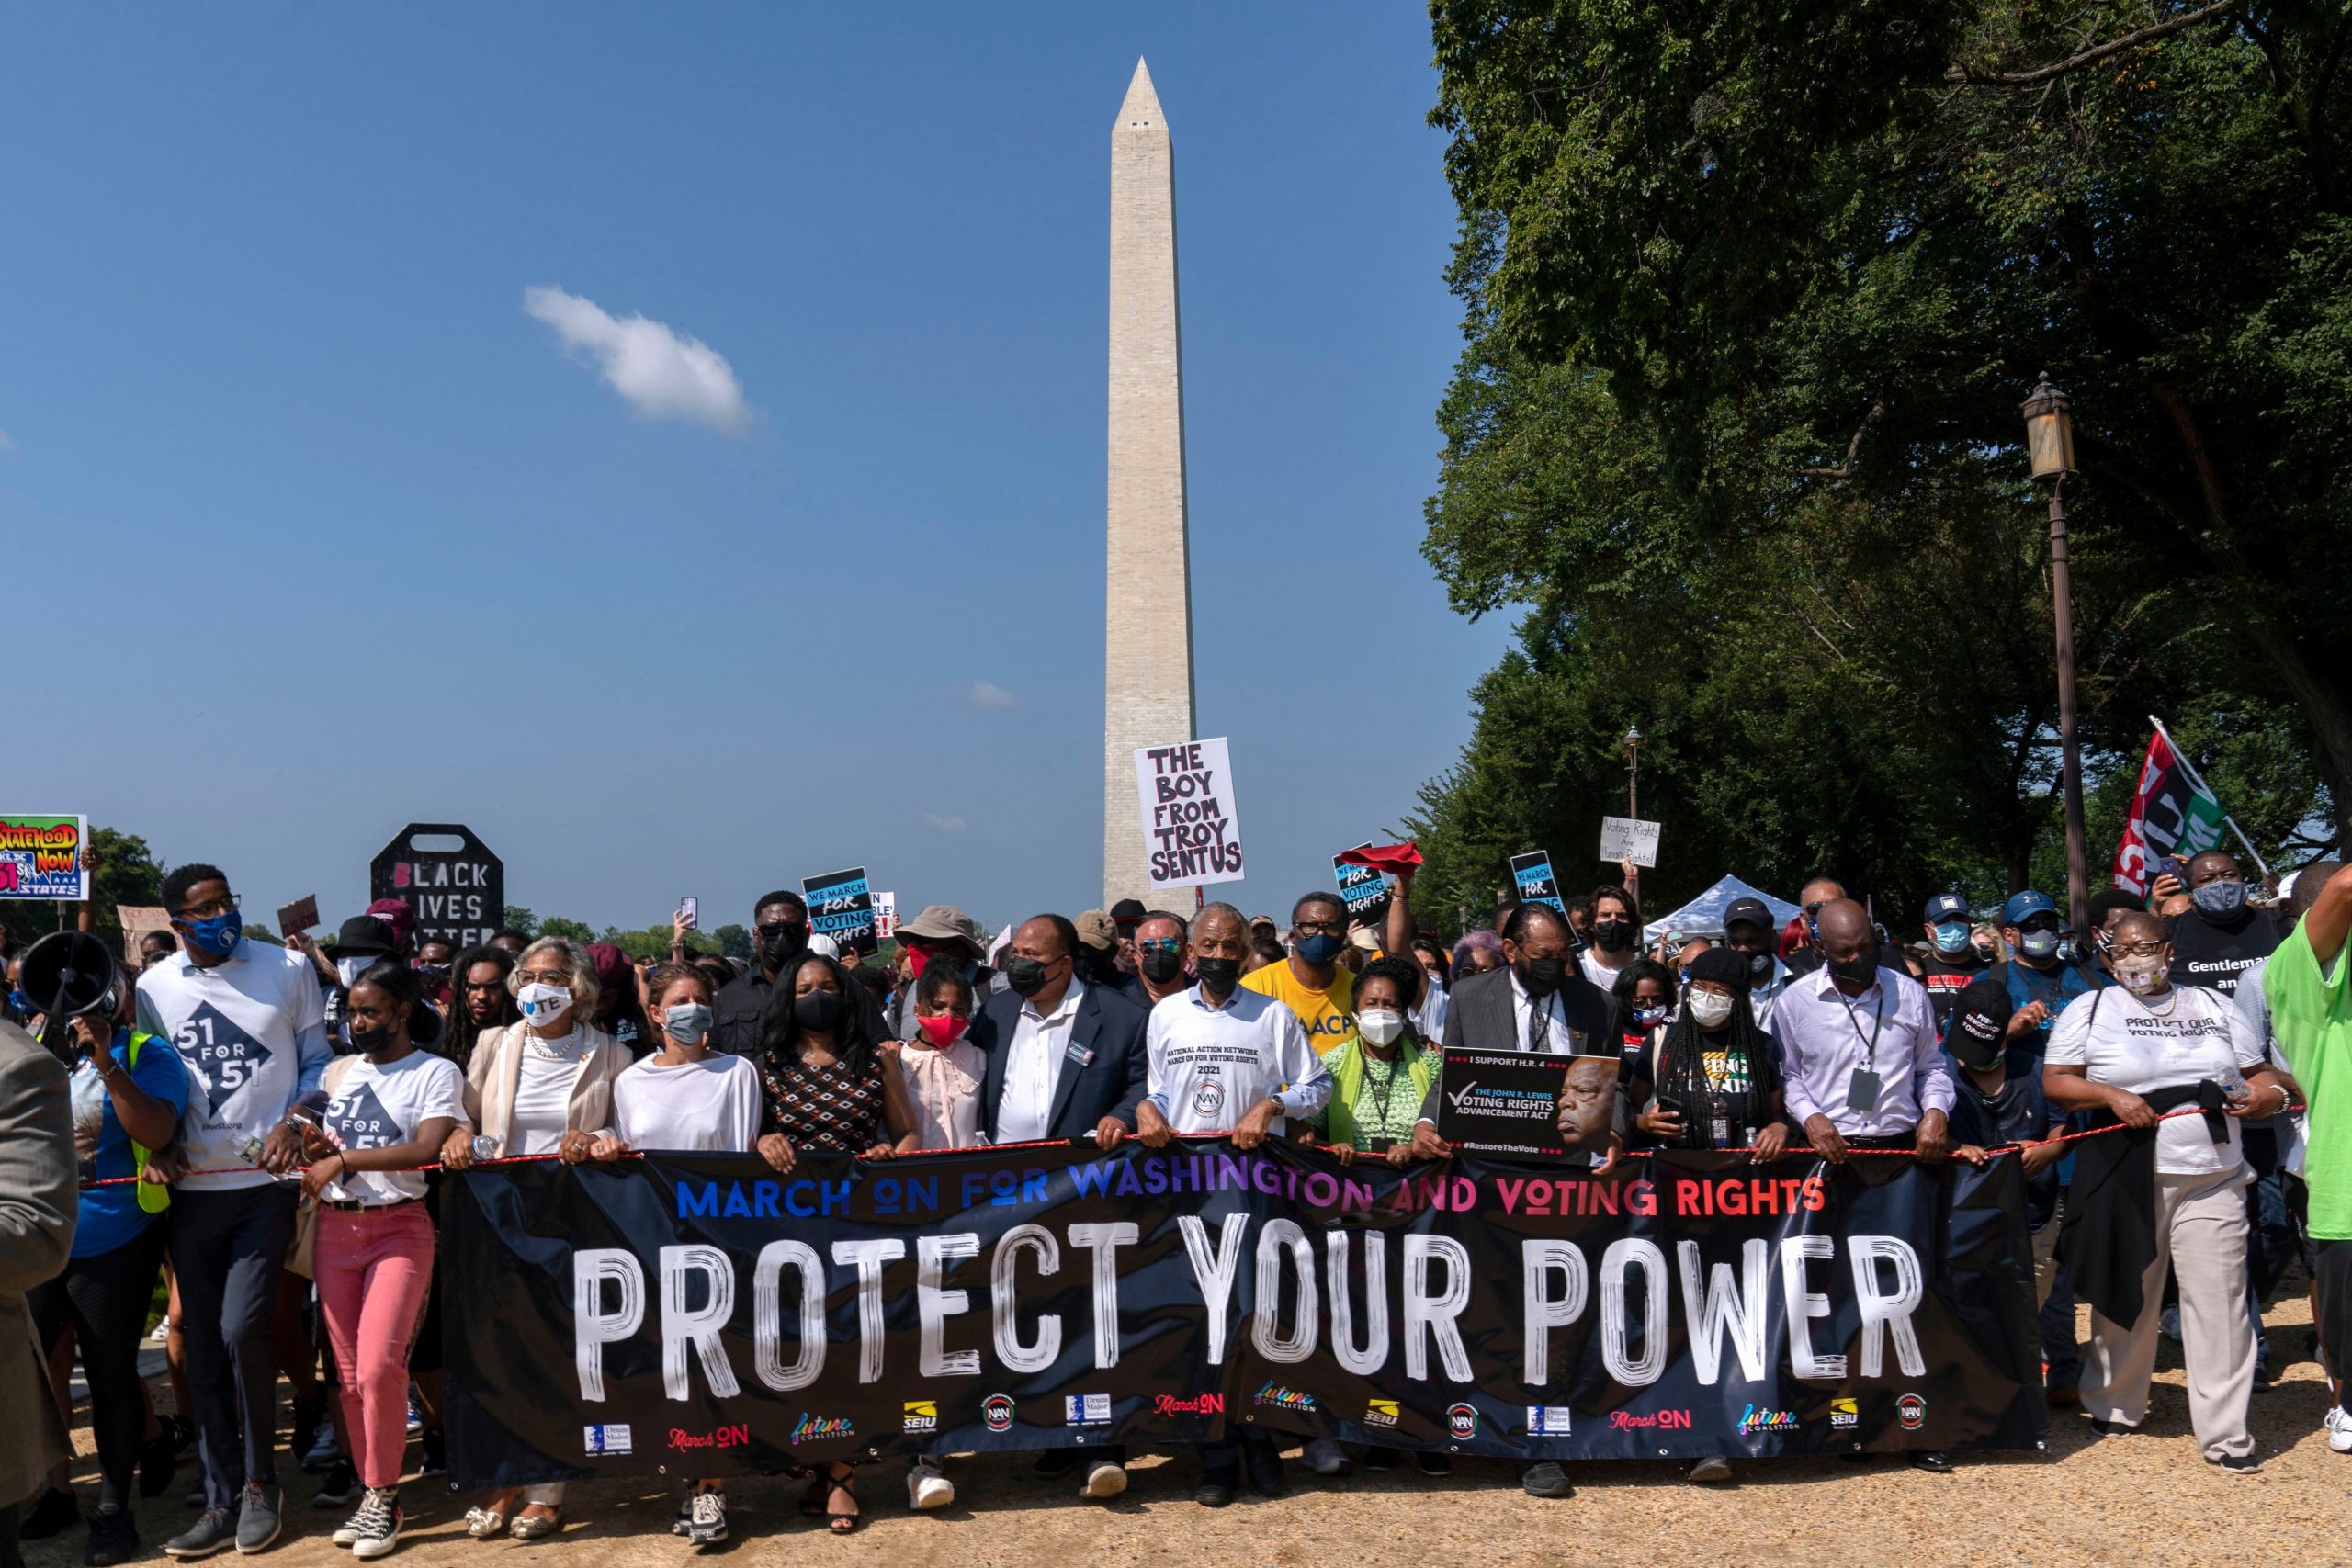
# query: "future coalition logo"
{"type": "Point", "coordinates": [1283, 1397]}
{"type": "Point", "coordinates": [1756, 1420]}
{"type": "Point", "coordinates": [819, 1429]}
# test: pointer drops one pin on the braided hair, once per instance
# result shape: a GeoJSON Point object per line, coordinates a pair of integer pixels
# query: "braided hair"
{"type": "Point", "coordinates": [1746, 1050]}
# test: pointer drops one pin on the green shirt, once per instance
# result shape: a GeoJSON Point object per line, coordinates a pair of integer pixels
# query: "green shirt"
{"type": "Point", "coordinates": [2311, 1013]}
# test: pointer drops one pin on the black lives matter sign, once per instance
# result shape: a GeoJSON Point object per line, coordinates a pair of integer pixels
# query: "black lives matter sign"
{"type": "Point", "coordinates": [457, 887]}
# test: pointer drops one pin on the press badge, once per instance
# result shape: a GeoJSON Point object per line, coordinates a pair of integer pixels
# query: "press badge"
{"type": "Point", "coordinates": [1861, 1091]}
{"type": "Point", "coordinates": [1081, 1054]}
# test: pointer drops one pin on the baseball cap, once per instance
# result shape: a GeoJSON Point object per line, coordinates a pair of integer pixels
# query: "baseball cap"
{"type": "Point", "coordinates": [1097, 931]}
{"type": "Point", "coordinates": [1980, 1023]}
{"type": "Point", "coordinates": [1946, 907]}
{"type": "Point", "coordinates": [2023, 906]}
{"type": "Point", "coordinates": [362, 936]}
{"type": "Point", "coordinates": [1127, 912]}
{"type": "Point", "coordinates": [395, 913]}
{"type": "Point", "coordinates": [1750, 911]}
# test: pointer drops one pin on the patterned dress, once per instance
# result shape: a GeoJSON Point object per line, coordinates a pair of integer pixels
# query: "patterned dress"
{"type": "Point", "coordinates": [827, 1109]}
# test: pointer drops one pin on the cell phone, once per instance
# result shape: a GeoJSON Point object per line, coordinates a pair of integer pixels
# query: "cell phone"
{"type": "Point", "coordinates": [692, 910]}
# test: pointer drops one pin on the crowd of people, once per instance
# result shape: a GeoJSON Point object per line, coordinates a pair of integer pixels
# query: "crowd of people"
{"type": "Point", "coordinates": [266, 1128]}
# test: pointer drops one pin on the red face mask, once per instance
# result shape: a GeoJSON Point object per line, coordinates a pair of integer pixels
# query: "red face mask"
{"type": "Point", "coordinates": [941, 1032]}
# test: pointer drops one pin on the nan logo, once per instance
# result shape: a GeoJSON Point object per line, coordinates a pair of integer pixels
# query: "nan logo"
{"type": "Point", "coordinates": [611, 1438]}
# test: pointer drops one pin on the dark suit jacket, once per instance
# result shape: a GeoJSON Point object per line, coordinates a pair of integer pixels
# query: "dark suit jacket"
{"type": "Point", "coordinates": [1479, 1017]}
{"type": "Point", "coordinates": [37, 1209]}
{"type": "Point", "coordinates": [1109, 1083]}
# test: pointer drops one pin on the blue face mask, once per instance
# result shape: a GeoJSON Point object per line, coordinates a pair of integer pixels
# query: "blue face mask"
{"type": "Point", "coordinates": [216, 934]}
{"type": "Point", "coordinates": [1649, 1017]}
{"type": "Point", "coordinates": [1951, 938]}
{"type": "Point", "coordinates": [1320, 948]}
{"type": "Point", "coordinates": [21, 1002]}
{"type": "Point", "coordinates": [2220, 899]}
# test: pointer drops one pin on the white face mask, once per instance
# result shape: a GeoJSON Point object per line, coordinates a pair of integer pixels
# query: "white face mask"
{"type": "Point", "coordinates": [542, 1004]}
{"type": "Point", "coordinates": [1380, 1026]}
{"type": "Point", "coordinates": [350, 969]}
{"type": "Point", "coordinates": [2144, 976]}
{"type": "Point", "coordinates": [1709, 1010]}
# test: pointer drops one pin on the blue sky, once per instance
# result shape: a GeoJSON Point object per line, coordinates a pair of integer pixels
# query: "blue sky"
{"type": "Point", "coordinates": [352, 540]}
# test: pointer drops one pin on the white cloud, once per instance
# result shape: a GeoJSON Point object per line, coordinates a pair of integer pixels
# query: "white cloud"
{"type": "Point", "coordinates": [662, 373]}
{"type": "Point", "coordinates": [944, 824]}
{"type": "Point", "coordinates": [988, 695]}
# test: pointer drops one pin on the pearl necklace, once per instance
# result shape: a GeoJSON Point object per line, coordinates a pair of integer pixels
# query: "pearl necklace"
{"type": "Point", "coordinates": [560, 1050]}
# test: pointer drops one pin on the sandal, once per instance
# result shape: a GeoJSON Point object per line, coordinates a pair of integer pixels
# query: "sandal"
{"type": "Point", "coordinates": [841, 1524]}
{"type": "Point", "coordinates": [531, 1527]}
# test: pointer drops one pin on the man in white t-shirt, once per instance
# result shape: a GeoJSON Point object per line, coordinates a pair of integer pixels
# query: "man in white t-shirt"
{"type": "Point", "coordinates": [250, 1025]}
{"type": "Point", "coordinates": [1222, 1057]}
{"type": "Point", "coordinates": [2118, 1049]}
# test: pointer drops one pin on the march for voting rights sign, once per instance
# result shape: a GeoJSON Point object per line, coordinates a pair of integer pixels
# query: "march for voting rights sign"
{"type": "Point", "coordinates": [40, 857]}
{"type": "Point", "coordinates": [1192, 830]}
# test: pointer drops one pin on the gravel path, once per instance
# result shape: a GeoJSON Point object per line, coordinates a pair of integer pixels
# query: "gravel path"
{"type": "Point", "coordinates": [2141, 1500]}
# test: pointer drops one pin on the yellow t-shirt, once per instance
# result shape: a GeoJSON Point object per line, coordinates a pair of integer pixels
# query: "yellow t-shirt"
{"type": "Point", "coordinates": [1329, 1017]}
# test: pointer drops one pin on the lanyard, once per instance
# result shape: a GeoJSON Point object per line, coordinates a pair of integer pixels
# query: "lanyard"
{"type": "Point", "coordinates": [1877, 1021]}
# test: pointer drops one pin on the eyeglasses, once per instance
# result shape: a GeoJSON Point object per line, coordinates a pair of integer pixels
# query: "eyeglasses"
{"type": "Point", "coordinates": [544, 977]}
{"type": "Point", "coordinates": [210, 908]}
{"type": "Point", "coordinates": [1331, 928]}
{"type": "Point", "coordinates": [2137, 949]}
{"type": "Point", "coordinates": [1161, 944]}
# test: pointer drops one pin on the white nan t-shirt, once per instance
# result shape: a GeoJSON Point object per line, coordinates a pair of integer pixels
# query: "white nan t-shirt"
{"type": "Point", "coordinates": [712, 1105]}
{"type": "Point", "coordinates": [2191, 1034]}
{"type": "Point", "coordinates": [376, 1107]}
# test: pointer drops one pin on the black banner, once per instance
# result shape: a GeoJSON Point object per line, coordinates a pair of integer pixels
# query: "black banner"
{"type": "Point", "coordinates": [701, 1312]}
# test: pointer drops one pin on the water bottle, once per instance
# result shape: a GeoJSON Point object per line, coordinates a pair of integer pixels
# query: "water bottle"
{"type": "Point", "coordinates": [487, 1148]}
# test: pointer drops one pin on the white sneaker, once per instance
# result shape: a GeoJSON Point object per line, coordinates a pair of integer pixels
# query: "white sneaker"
{"type": "Point", "coordinates": [2339, 1429]}
{"type": "Point", "coordinates": [706, 1518]}
{"type": "Point", "coordinates": [377, 1525]}
{"type": "Point", "coordinates": [928, 1489]}
{"type": "Point", "coordinates": [1104, 1478]}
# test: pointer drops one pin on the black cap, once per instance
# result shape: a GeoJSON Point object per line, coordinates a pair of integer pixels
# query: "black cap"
{"type": "Point", "coordinates": [362, 936]}
{"type": "Point", "coordinates": [1751, 910]}
{"type": "Point", "coordinates": [1127, 912]}
{"type": "Point", "coordinates": [1980, 1023]}
{"type": "Point", "coordinates": [1946, 907]}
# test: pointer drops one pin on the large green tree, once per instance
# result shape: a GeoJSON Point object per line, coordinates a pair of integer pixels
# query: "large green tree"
{"type": "Point", "coordinates": [1753, 293]}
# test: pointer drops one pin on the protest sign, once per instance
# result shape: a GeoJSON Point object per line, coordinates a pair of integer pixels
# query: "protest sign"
{"type": "Point", "coordinates": [299, 915]}
{"type": "Point", "coordinates": [137, 920]}
{"type": "Point", "coordinates": [698, 1313]}
{"type": "Point", "coordinates": [1532, 874]}
{"type": "Point", "coordinates": [841, 905]}
{"type": "Point", "coordinates": [40, 857]}
{"type": "Point", "coordinates": [1363, 889]}
{"type": "Point", "coordinates": [1506, 1103]}
{"type": "Point", "coordinates": [886, 916]}
{"type": "Point", "coordinates": [1628, 838]}
{"type": "Point", "coordinates": [1192, 830]}
{"type": "Point", "coordinates": [454, 886]}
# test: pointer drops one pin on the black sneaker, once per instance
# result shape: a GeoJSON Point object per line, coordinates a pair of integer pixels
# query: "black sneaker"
{"type": "Point", "coordinates": [114, 1538]}
{"type": "Point", "coordinates": [433, 1453]}
{"type": "Point", "coordinates": [1218, 1488]}
{"type": "Point", "coordinates": [2107, 1428]}
{"type": "Point", "coordinates": [1262, 1464]}
{"type": "Point", "coordinates": [1432, 1463]}
{"type": "Point", "coordinates": [2238, 1464]}
{"type": "Point", "coordinates": [1545, 1478]}
{"type": "Point", "coordinates": [158, 1456]}
{"type": "Point", "coordinates": [260, 1517]}
{"type": "Point", "coordinates": [1380, 1458]}
{"type": "Point", "coordinates": [336, 1487]}
{"type": "Point", "coordinates": [215, 1530]}
{"type": "Point", "coordinates": [51, 1515]}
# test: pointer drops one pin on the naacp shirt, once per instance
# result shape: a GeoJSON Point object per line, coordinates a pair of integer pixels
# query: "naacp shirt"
{"type": "Point", "coordinates": [377, 1107]}
{"type": "Point", "coordinates": [1211, 1062]}
{"type": "Point", "coordinates": [1325, 1014]}
{"type": "Point", "coordinates": [252, 1033]}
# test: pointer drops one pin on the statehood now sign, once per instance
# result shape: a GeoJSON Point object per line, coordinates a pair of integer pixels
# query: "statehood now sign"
{"type": "Point", "coordinates": [700, 1310]}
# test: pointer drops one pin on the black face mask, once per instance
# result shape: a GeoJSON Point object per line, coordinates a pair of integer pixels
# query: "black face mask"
{"type": "Point", "coordinates": [1760, 965]}
{"type": "Point", "coordinates": [820, 1010]}
{"type": "Point", "coordinates": [1025, 975]}
{"type": "Point", "coordinates": [1541, 977]}
{"type": "Point", "coordinates": [1160, 965]}
{"type": "Point", "coordinates": [367, 1040]}
{"type": "Point", "coordinates": [1858, 970]}
{"type": "Point", "coordinates": [1219, 976]}
{"type": "Point", "coordinates": [1614, 936]}
{"type": "Point", "coordinates": [780, 941]}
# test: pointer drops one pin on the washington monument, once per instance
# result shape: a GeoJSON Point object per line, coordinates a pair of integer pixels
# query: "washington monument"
{"type": "Point", "coordinates": [1148, 673]}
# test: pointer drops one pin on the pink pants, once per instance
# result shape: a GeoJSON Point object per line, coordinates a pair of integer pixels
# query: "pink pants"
{"type": "Point", "coordinates": [373, 1268]}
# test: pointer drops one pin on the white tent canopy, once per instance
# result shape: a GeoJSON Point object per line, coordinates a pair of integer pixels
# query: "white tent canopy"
{"type": "Point", "coordinates": [1703, 916]}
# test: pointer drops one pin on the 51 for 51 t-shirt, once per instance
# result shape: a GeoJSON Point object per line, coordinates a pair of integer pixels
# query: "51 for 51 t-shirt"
{"type": "Point", "coordinates": [380, 1107]}
{"type": "Point", "coordinates": [252, 1033]}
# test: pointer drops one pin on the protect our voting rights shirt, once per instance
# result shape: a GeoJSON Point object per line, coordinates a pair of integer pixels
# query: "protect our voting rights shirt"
{"type": "Point", "coordinates": [2190, 1034]}
{"type": "Point", "coordinates": [376, 1107]}
{"type": "Point", "coordinates": [252, 1033]}
{"type": "Point", "coordinates": [1210, 1062]}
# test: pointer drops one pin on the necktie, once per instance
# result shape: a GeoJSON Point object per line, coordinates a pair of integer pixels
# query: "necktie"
{"type": "Point", "coordinates": [1539, 1035]}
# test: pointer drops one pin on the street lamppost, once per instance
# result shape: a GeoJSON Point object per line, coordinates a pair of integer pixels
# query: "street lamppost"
{"type": "Point", "coordinates": [2049, 449]}
{"type": "Point", "coordinates": [1632, 770]}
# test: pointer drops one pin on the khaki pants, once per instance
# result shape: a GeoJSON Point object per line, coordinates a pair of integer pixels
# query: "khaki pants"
{"type": "Point", "coordinates": [2201, 1236]}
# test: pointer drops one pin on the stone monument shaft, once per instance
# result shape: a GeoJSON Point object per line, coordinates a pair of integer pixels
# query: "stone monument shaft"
{"type": "Point", "coordinates": [1147, 683]}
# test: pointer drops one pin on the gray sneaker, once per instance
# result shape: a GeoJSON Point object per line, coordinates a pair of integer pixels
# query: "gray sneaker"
{"type": "Point", "coordinates": [214, 1529]}
{"type": "Point", "coordinates": [257, 1517]}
